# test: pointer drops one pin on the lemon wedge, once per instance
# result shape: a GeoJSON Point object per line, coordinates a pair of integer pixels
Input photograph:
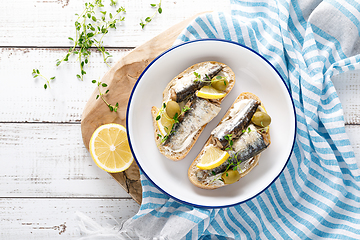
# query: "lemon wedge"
{"type": "Point", "coordinates": [165, 123]}
{"type": "Point", "coordinates": [209, 92]}
{"type": "Point", "coordinates": [109, 148]}
{"type": "Point", "coordinates": [212, 158]}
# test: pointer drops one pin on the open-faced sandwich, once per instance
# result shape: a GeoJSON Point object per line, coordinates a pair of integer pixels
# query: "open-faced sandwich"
{"type": "Point", "coordinates": [234, 146]}
{"type": "Point", "coordinates": [190, 101]}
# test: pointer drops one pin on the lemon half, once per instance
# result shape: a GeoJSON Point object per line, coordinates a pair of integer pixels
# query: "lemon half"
{"type": "Point", "coordinates": [109, 148]}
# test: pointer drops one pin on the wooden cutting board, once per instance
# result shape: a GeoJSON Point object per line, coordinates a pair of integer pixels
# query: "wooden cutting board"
{"type": "Point", "coordinates": [120, 80]}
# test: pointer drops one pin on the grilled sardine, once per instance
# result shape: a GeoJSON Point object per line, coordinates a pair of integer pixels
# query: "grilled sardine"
{"type": "Point", "coordinates": [188, 85]}
{"type": "Point", "coordinates": [234, 125]}
{"type": "Point", "coordinates": [201, 112]}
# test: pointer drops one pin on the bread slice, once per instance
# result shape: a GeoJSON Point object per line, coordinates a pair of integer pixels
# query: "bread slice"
{"type": "Point", "coordinates": [176, 156]}
{"type": "Point", "coordinates": [194, 170]}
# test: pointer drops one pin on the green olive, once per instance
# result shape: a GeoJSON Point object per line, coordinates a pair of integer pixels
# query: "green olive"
{"type": "Point", "coordinates": [172, 108]}
{"type": "Point", "coordinates": [219, 83]}
{"type": "Point", "coordinates": [230, 176]}
{"type": "Point", "coordinates": [261, 119]}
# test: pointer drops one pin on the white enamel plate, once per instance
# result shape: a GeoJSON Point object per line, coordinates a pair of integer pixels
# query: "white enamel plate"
{"type": "Point", "coordinates": [253, 74]}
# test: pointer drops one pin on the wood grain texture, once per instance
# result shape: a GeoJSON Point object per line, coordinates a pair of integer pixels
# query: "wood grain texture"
{"type": "Point", "coordinates": [24, 99]}
{"type": "Point", "coordinates": [50, 160]}
{"type": "Point", "coordinates": [48, 218]}
{"type": "Point", "coordinates": [49, 23]}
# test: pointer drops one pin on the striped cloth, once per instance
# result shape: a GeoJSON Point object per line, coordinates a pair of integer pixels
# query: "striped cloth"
{"type": "Point", "coordinates": [318, 194]}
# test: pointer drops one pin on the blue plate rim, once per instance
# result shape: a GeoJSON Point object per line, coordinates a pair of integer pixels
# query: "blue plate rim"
{"type": "Point", "coordinates": [139, 79]}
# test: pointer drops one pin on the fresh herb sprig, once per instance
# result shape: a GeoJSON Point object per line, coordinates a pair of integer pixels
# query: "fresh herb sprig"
{"type": "Point", "coordinates": [36, 73]}
{"type": "Point", "coordinates": [248, 130]}
{"type": "Point", "coordinates": [158, 7]}
{"type": "Point", "coordinates": [161, 111]}
{"type": "Point", "coordinates": [183, 110]}
{"type": "Point", "coordinates": [175, 118]}
{"type": "Point", "coordinates": [208, 79]}
{"type": "Point", "coordinates": [90, 31]}
{"type": "Point", "coordinates": [230, 160]}
{"type": "Point", "coordinates": [101, 95]}
{"type": "Point", "coordinates": [229, 137]}
{"type": "Point", "coordinates": [231, 164]}
{"type": "Point", "coordinates": [199, 79]}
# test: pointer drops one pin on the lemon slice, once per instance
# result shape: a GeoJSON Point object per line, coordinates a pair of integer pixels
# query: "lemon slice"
{"type": "Point", "coordinates": [109, 148]}
{"type": "Point", "coordinates": [209, 92]}
{"type": "Point", "coordinates": [212, 158]}
{"type": "Point", "coordinates": [262, 109]}
{"type": "Point", "coordinates": [165, 123]}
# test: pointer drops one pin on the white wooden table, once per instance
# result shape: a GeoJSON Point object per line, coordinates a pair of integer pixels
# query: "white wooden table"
{"type": "Point", "coordinates": [46, 173]}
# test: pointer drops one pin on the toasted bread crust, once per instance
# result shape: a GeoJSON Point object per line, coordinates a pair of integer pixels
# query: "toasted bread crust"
{"type": "Point", "coordinates": [176, 156]}
{"type": "Point", "coordinates": [254, 162]}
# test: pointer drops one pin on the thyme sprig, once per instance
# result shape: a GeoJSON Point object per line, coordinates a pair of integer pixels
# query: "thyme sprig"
{"type": "Point", "coordinates": [246, 130]}
{"type": "Point", "coordinates": [231, 163]}
{"type": "Point", "coordinates": [229, 137]}
{"type": "Point", "coordinates": [230, 160]}
{"type": "Point", "coordinates": [183, 110]}
{"type": "Point", "coordinates": [91, 26]}
{"type": "Point", "coordinates": [175, 118]}
{"type": "Point", "coordinates": [36, 73]}
{"type": "Point", "coordinates": [101, 95]}
{"type": "Point", "coordinates": [161, 111]}
{"type": "Point", "coordinates": [208, 79]}
{"type": "Point", "coordinates": [144, 22]}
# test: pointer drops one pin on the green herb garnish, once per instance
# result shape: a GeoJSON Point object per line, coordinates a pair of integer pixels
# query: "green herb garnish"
{"type": "Point", "coordinates": [230, 142]}
{"type": "Point", "coordinates": [148, 19]}
{"type": "Point", "coordinates": [208, 79]}
{"type": "Point", "coordinates": [246, 130]}
{"type": "Point", "coordinates": [36, 73]}
{"type": "Point", "coordinates": [101, 95]}
{"type": "Point", "coordinates": [91, 27]}
{"type": "Point", "coordinates": [176, 120]}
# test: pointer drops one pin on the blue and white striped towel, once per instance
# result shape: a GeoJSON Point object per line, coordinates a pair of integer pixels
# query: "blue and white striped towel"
{"type": "Point", "coordinates": [318, 194]}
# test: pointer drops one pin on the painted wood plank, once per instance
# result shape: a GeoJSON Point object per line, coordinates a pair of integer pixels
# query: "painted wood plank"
{"type": "Point", "coordinates": [50, 160]}
{"type": "Point", "coordinates": [25, 100]}
{"type": "Point", "coordinates": [47, 219]}
{"type": "Point", "coordinates": [50, 23]}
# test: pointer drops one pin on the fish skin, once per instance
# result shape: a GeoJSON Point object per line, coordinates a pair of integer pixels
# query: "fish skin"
{"type": "Point", "coordinates": [248, 149]}
{"type": "Point", "coordinates": [184, 93]}
{"type": "Point", "coordinates": [192, 121]}
{"type": "Point", "coordinates": [235, 125]}
{"type": "Point", "coordinates": [245, 148]}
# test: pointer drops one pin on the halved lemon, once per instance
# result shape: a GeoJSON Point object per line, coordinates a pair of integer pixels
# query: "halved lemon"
{"type": "Point", "coordinates": [109, 148]}
{"type": "Point", "coordinates": [212, 158]}
{"type": "Point", "coordinates": [209, 92]}
{"type": "Point", "coordinates": [165, 123]}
